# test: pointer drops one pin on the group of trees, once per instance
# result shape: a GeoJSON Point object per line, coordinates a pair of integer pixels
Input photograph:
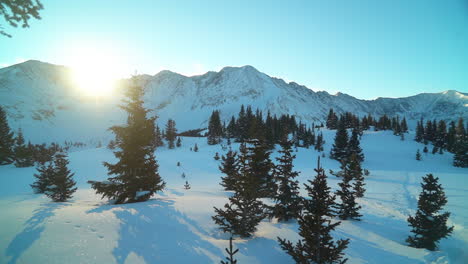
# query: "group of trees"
{"type": "Point", "coordinates": [169, 134]}
{"type": "Point", "coordinates": [344, 146]}
{"type": "Point", "coordinates": [399, 127]}
{"type": "Point", "coordinates": [270, 129]}
{"type": "Point", "coordinates": [453, 138]}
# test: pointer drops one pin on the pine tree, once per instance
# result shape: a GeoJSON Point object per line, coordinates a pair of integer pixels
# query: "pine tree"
{"type": "Point", "coordinates": [158, 138]}
{"type": "Point", "coordinates": [425, 150]}
{"type": "Point", "coordinates": [332, 120]}
{"type": "Point", "coordinates": [355, 170]}
{"type": "Point", "coordinates": [229, 167]}
{"type": "Point", "coordinates": [6, 140]}
{"type": "Point", "coordinates": [418, 155]}
{"type": "Point", "coordinates": [419, 131]}
{"type": "Point", "coordinates": [244, 211]}
{"type": "Point", "coordinates": [319, 143]}
{"type": "Point", "coordinates": [171, 133]}
{"type": "Point", "coordinates": [179, 142]}
{"type": "Point", "coordinates": [43, 177]}
{"type": "Point", "coordinates": [187, 185]}
{"type": "Point", "coordinates": [261, 169]}
{"type": "Point", "coordinates": [316, 244]}
{"type": "Point", "coordinates": [460, 159]}
{"type": "Point", "coordinates": [216, 156]}
{"type": "Point", "coordinates": [231, 252]}
{"type": "Point", "coordinates": [23, 154]}
{"type": "Point", "coordinates": [429, 225]}
{"type": "Point", "coordinates": [195, 148]}
{"type": "Point", "coordinates": [136, 172]}
{"type": "Point", "coordinates": [215, 129]}
{"type": "Point", "coordinates": [62, 185]}
{"type": "Point", "coordinates": [339, 150]}
{"type": "Point", "coordinates": [434, 150]}
{"type": "Point", "coordinates": [287, 199]}
{"type": "Point", "coordinates": [348, 208]}
{"type": "Point", "coordinates": [354, 146]}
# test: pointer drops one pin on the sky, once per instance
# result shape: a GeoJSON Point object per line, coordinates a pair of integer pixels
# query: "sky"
{"type": "Point", "coordinates": [364, 48]}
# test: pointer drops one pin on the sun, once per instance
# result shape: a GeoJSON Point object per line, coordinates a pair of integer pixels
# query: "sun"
{"type": "Point", "coordinates": [95, 72]}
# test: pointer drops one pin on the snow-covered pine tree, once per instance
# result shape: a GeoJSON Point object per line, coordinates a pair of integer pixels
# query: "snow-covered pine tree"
{"type": "Point", "coordinates": [187, 185]}
{"type": "Point", "coordinates": [418, 155]}
{"type": "Point", "coordinates": [354, 145]}
{"type": "Point", "coordinates": [136, 172]}
{"type": "Point", "coordinates": [6, 140]}
{"type": "Point", "coordinates": [425, 150]}
{"type": "Point", "coordinates": [231, 252]}
{"type": "Point", "coordinates": [158, 137]}
{"type": "Point", "coordinates": [339, 149]}
{"type": "Point", "coordinates": [332, 120]}
{"type": "Point", "coordinates": [62, 185]}
{"type": "Point", "coordinates": [215, 128]}
{"type": "Point", "coordinates": [179, 142]}
{"type": "Point", "coordinates": [45, 171]}
{"type": "Point", "coordinates": [23, 154]}
{"type": "Point", "coordinates": [229, 167]}
{"type": "Point", "coordinates": [171, 133]}
{"type": "Point", "coordinates": [319, 142]}
{"type": "Point", "coordinates": [348, 208]}
{"type": "Point", "coordinates": [460, 146]}
{"type": "Point", "coordinates": [315, 226]}
{"type": "Point", "coordinates": [287, 200]}
{"type": "Point", "coordinates": [429, 225]}
{"type": "Point", "coordinates": [244, 211]}
{"type": "Point", "coordinates": [195, 148]}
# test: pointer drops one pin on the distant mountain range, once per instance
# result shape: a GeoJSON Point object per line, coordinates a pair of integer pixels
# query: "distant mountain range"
{"type": "Point", "coordinates": [40, 98]}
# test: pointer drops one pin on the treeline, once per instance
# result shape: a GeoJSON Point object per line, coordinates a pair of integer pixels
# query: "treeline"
{"type": "Point", "coordinates": [350, 120]}
{"type": "Point", "coordinates": [452, 138]}
{"type": "Point", "coordinates": [249, 125]}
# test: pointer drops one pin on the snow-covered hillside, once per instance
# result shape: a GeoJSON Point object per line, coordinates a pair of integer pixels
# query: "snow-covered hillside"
{"type": "Point", "coordinates": [40, 98]}
{"type": "Point", "coordinates": [176, 227]}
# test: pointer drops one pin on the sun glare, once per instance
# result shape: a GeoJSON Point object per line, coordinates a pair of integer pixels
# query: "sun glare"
{"type": "Point", "coordinates": [95, 71]}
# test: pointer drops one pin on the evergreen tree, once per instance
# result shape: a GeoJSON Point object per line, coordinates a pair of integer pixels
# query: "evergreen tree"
{"type": "Point", "coordinates": [244, 211]}
{"type": "Point", "coordinates": [354, 146]}
{"type": "Point", "coordinates": [216, 156]}
{"type": "Point", "coordinates": [187, 185]}
{"type": "Point", "coordinates": [339, 150]}
{"type": "Point", "coordinates": [23, 154]}
{"type": "Point", "coordinates": [348, 208]}
{"type": "Point", "coordinates": [460, 159]}
{"type": "Point", "coordinates": [171, 133]}
{"type": "Point", "coordinates": [231, 252]}
{"type": "Point", "coordinates": [62, 185]}
{"type": "Point", "coordinates": [418, 155]}
{"type": "Point", "coordinates": [158, 137]}
{"type": "Point", "coordinates": [425, 150]}
{"type": "Point", "coordinates": [179, 142]}
{"type": "Point", "coordinates": [261, 169]}
{"type": "Point", "coordinates": [332, 120]}
{"type": "Point", "coordinates": [429, 225]}
{"type": "Point", "coordinates": [287, 199]}
{"type": "Point", "coordinates": [43, 177]}
{"type": "Point", "coordinates": [316, 244]}
{"type": "Point", "coordinates": [195, 148]}
{"type": "Point", "coordinates": [319, 143]}
{"type": "Point", "coordinates": [355, 170]}
{"type": "Point", "coordinates": [229, 167]}
{"type": "Point", "coordinates": [6, 140]}
{"type": "Point", "coordinates": [434, 150]}
{"type": "Point", "coordinates": [419, 131]}
{"type": "Point", "coordinates": [136, 172]}
{"type": "Point", "coordinates": [215, 129]}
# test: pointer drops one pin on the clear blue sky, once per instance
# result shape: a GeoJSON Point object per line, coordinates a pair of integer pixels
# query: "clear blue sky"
{"type": "Point", "coordinates": [365, 48]}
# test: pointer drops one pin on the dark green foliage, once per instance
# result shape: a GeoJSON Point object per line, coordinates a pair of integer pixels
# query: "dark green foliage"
{"type": "Point", "coordinates": [171, 133]}
{"type": "Point", "coordinates": [355, 170]}
{"type": "Point", "coordinates": [229, 168]}
{"type": "Point", "coordinates": [136, 172]}
{"type": "Point", "coordinates": [354, 147]}
{"type": "Point", "coordinates": [348, 208]}
{"type": "Point", "coordinates": [215, 129]}
{"type": "Point", "coordinates": [425, 150]}
{"type": "Point", "coordinates": [43, 177]}
{"type": "Point", "coordinates": [158, 138]}
{"type": "Point", "coordinates": [231, 252]}
{"type": "Point", "coordinates": [287, 199]}
{"type": "Point", "coordinates": [179, 142]}
{"type": "Point", "coordinates": [418, 155]}
{"type": "Point", "coordinates": [261, 169]}
{"type": "Point", "coordinates": [216, 156]}
{"type": "Point", "coordinates": [244, 211]}
{"type": "Point", "coordinates": [339, 150]}
{"type": "Point", "coordinates": [24, 156]}
{"type": "Point", "coordinates": [19, 12]}
{"type": "Point", "coordinates": [315, 226]}
{"type": "Point", "coordinates": [61, 186]}
{"type": "Point", "coordinates": [332, 120]}
{"type": "Point", "coordinates": [319, 143]}
{"type": "Point", "coordinates": [429, 225]}
{"type": "Point", "coordinates": [195, 148]}
{"type": "Point", "coordinates": [6, 140]}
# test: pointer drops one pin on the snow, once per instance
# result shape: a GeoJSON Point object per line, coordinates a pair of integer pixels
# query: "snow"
{"type": "Point", "coordinates": [175, 226]}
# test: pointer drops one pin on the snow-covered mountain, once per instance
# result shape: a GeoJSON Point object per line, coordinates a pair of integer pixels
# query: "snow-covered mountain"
{"type": "Point", "coordinates": [40, 97]}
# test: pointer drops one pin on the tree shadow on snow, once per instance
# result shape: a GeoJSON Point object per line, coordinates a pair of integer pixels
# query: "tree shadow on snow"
{"type": "Point", "coordinates": [158, 233]}
{"type": "Point", "coordinates": [34, 227]}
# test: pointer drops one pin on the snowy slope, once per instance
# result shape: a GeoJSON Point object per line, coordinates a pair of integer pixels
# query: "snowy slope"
{"type": "Point", "coordinates": [41, 99]}
{"type": "Point", "coordinates": [176, 226]}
